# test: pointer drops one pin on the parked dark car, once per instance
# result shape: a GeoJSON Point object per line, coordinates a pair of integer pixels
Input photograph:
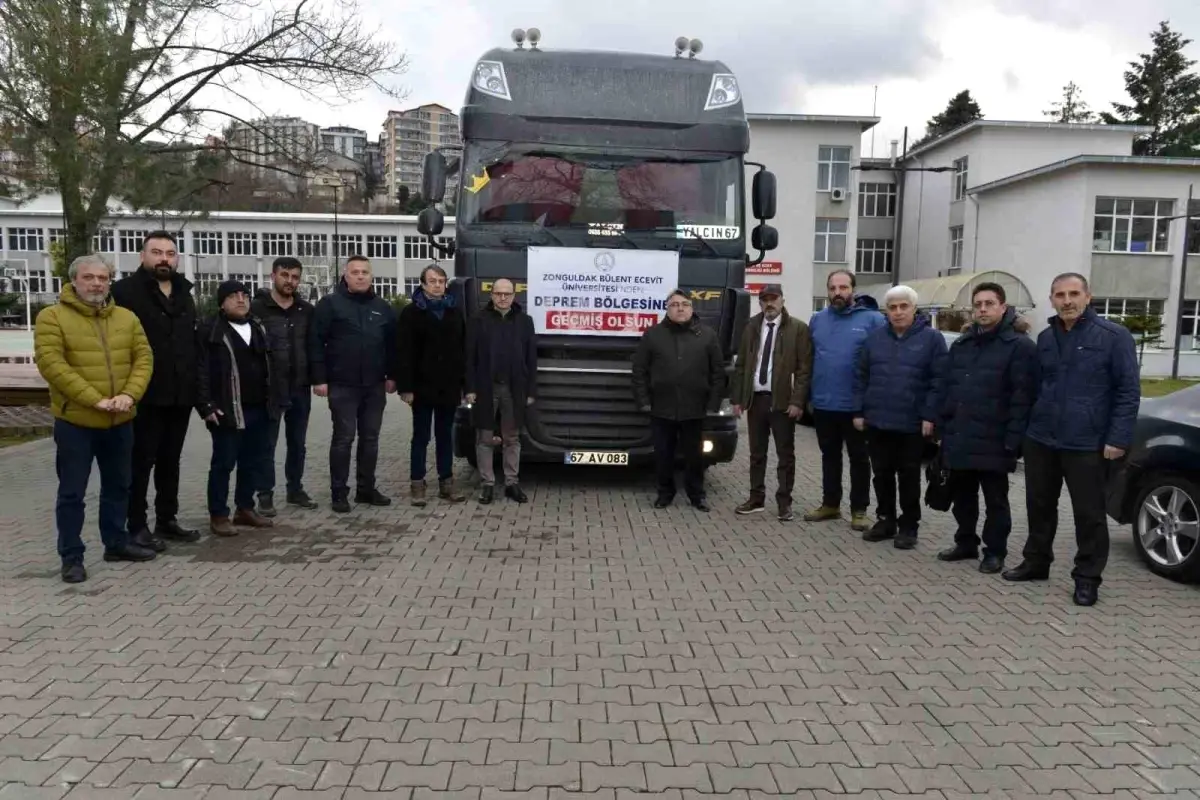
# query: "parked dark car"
{"type": "Point", "coordinates": [1157, 487]}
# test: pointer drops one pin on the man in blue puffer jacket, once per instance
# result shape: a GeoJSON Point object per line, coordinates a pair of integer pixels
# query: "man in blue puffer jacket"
{"type": "Point", "coordinates": [838, 332]}
{"type": "Point", "coordinates": [1087, 403]}
{"type": "Point", "coordinates": [897, 377]}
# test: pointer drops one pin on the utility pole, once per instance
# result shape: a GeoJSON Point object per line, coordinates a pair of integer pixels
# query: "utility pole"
{"type": "Point", "coordinates": [336, 241]}
{"type": "Point", "coordinates": [1187, 227]}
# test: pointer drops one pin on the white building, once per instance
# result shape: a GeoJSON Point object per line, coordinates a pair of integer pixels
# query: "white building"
{"type": "Point", "coordinates": [348, 142]}
{"type": "Point", "coordinates": [275, 141]}
{"type": "Point", "coordinates": [408, 136]}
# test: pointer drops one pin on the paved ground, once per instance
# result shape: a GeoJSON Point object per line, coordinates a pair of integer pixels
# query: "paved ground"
{"type": "Point", "coordinates": [582, 646]}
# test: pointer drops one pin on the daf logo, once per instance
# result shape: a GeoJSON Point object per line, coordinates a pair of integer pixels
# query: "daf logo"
{"type": "Point", "coordinates": [605, 261]}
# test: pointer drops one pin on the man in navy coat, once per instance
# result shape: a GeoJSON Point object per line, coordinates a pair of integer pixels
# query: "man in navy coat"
{"type": "Point", "coordinates": [1087, 403]}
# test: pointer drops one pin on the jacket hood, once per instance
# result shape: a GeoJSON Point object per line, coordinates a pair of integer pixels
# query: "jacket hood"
{"type": "Point", "coordinates": [424, 301]}
{"type": "Point", "coordinates": [692, 324]}
{"type": "Point", "coordinates": [70, 298]}
{"type": "Point", "coordinates": [861, 302]}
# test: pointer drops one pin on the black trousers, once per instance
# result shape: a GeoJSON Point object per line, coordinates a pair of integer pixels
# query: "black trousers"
{"type": "Point", "coordinates": [765, 424]}
{"type": "Point", "coordinates": [997, 525]}
{"type": "Point", "coordinates": [356, 410]}
{"type": "Point", "coordinates": [835, 430]}
{"type": "Point", "coordinates": [158, 436]}
{"type": "Point", "coordinates": [896, 461]}
{"type": "Point", "coordinates": [685, 438]}
{"type": "Point", "coordinates": [1085, 473]}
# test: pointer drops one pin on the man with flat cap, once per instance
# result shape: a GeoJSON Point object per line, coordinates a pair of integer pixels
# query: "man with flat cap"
{"type": "Point", "coordinates": [770, 384]}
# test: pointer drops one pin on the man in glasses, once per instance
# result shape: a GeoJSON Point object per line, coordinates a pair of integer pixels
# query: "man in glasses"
{"type": "Point", "coordinates": [501, 376]}
{"type": "Point", "coordinates": [677, 378]}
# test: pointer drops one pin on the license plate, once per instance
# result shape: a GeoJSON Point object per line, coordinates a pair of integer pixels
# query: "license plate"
{"type": "Point", "coordinates": [599, 459]}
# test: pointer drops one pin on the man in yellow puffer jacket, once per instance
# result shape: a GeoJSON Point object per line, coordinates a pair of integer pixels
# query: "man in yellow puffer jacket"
{"type": "Point", "coordinates": [97, 361]}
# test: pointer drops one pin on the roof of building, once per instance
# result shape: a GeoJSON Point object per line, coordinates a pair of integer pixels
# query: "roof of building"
{"type": "Point", "coordinates": [865, 123]}
{"type": "Point", "coordinates": [974, 125]}
{"type": "Point", "coordinates": [1084, 161]}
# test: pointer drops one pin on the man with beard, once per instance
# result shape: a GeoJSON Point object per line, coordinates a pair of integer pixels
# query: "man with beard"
{"type": "Point", "coordinates": [770, 382]}
{"type": "Point", "coordinates": [352, 359]}
{"type": "Point", "coordinates": [432, 378]}
{"type": "Point", "coordinates": [238, 395]}
{"type": "Point", "coordinates": [838, 333]}
{"type": "Point", "coordinates": [286, 316]}
{"type": "Point", "coordinates": [96, 360]}
{"type": "Point", "coordinates": [162, 300]}
{"type": "Point", "coordinates": [1081, 423]}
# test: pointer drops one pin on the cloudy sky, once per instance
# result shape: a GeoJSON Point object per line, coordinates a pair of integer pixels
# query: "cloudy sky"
{"type": "Point", "coordinates": [803, 56]}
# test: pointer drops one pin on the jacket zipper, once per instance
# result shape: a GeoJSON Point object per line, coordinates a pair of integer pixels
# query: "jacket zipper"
{"type": "Point", "coordinates": [112, 380]}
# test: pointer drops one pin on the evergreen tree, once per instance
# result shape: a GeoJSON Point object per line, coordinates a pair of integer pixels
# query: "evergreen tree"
{"type": "Point", "coordinates": [961, 109]}
{"type": "Point", "coordinates": [1072, 107]}
{"type": "Point", "coordinates": [1166, 97]}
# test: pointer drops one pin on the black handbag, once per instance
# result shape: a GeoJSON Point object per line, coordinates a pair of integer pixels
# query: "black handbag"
{"type": "Point", "coordinates": [938, 492]}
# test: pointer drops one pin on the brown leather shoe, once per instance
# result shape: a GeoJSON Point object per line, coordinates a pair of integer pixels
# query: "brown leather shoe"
{"type": "Point", "coordinates": [221, 526]}
{"type": "Point", "coordinates": [251, 519]}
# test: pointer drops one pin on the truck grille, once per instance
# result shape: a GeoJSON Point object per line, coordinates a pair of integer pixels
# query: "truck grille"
{"type": "Point", "coordinates": [589, 410]}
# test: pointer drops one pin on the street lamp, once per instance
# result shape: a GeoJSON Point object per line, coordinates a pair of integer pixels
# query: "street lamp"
{"type": "Point", "coordinates": [1187, 216]}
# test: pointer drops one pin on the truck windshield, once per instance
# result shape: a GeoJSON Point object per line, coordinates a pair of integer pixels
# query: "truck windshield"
{"type": "Point", "coordinates": [504, 182]}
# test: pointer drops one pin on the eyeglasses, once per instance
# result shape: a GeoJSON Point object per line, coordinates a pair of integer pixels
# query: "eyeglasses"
{"type": "Point", "coordinates": [502, 295]}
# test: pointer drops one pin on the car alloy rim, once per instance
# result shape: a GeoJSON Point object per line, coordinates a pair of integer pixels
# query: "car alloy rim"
{"type": "Point", "coordinates": [1169, 525]}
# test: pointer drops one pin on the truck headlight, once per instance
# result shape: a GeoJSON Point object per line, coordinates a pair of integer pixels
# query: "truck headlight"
{"type": "Point", "coordinates": [491, 80]}
{"type": "Point", "coordinates": [724, 92]}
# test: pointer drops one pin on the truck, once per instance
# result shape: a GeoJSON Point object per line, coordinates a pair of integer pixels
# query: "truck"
{"type": "Point", "coordinates": [598, 182]}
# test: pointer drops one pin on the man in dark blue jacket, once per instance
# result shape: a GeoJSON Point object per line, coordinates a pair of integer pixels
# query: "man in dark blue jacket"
{"type": "Point", "coordinates": [983, 403]}
{"type": "Point", "coordinates": [897, 375]}
{"type": "Point", "coordinates": [352, 358]}
{"type": "Point", "coordinates": [1086, 407]}
{"type": "Point", "coordinates": [838, 333]}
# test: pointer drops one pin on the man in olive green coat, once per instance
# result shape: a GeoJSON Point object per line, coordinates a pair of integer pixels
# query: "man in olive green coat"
{"type": "Point", "coordinates": [770, 382]}
{"type": "Point", "coordinates": [95, 357]}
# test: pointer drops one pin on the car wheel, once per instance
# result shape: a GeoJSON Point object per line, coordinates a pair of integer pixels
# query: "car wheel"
{"type": "Point", "coordinates": [1166, 527]}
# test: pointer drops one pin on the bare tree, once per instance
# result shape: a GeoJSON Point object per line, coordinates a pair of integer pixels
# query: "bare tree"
{"type": "Point", "coordinates": [1071, 108]}
{"type": "Point", "coordinates": [87, 88]}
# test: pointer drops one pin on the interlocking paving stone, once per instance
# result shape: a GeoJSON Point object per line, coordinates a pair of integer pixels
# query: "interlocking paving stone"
{"type": "Point", "coordinates": [581, 646]}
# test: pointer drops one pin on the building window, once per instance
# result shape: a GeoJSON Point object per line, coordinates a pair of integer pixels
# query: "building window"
{"type": "Point", "coordinates": [417, 248]}
{"type": "Point", "coordinates": [1190, 329]}
{"type": "Point", "coordinates": [386, 287]}
{"type": "Point", "coordinates": [243, 244]}
{"type": "Point", "coordinates": [247, 278]}
{"type": "Point", "coordinates": [411, 285]}
{"type": "Point", "coordinates": [277, 244]}
{"type": "Point", "coordinates": [960, 178]}
{"type": "Point", "coordinates": [956, 247]}
{"type": "Point", "coordinates": [830, 241]}
{"type": "Point", "coordinates": [381, 247]}
{"type": "Point", "coordinates": [1114, 308]}
{"type": "Point", "coordinates": [207, 243]}
{"type": "Point", "coordinates": [57, 235]}
{"type": "Point", "coordinates": [26, 240]}
{"type": "Point", "coordinates": [348, 244]}
{"type": "Point", "coordinates": [874, 256]}
{"type": "Point", "coordinates": [1127, 225]}
{"type": "Point", "coordinates": [207, 284]}
{"type": "Point", "coordinates": [819, 304]}
{"type": "Point", "coordinates": [833, 168]}
{"type": "Point", "coordinates": [104, 241]}
{"type": "Point", "coordinates": [877, 199]}
{"type": "Point", "coordinates": [131, 241]}
{"type": "Point", "coordinates": [312, 245]}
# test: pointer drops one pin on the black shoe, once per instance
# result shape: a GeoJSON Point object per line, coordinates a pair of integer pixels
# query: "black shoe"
{"type": "Point", "coordinates": [991, 565]}
{"type": "Point", "coordinates": [341, 504]}
{"type": "Point", "coordinates": [73, 573]}
{"type": "Point", "coordinates": [960, 552]}
{"type": "Point", "coordinates": [1086, 593]}
{"type": "Point", "coordinates": [1027, 572]}
{"type": "Point", "coordinates": [173, 530]}
{"type": "Point", "coordinates": [905, 540]}
{"type": "Point", "coordinates": [301, 499]}
{"type": "Point", "coordinates": [144, 538]}
{"type": "Point", "coordinates": [700, 504]}
{"type": "Point", "coordinates": [662, 501]}
{"type": "Point", "coordinates": [266, 505]}
{"type": "Point", "coordinates": [371, 497]}
{"type": "Point", "coordinates": [883, 529]}
{"type": "Point", "coordinates": [486, 494]}
{"type": "Point", "coordinates": [130, 552]}
{"type": "Point", "coordinates": [513, 492]}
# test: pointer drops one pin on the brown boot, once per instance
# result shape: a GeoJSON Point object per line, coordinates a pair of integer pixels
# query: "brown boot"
{"type": "Point", "coordinates": [251, 519]}
{"type": "Point", "coordinates": [220, 526]}
{"type": "Point", "coordinates": [418, 493]}
{"type": "Point", "coordinates": [447, 492]}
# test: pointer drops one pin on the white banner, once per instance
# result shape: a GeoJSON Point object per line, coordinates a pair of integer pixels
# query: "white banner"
{"type": "Point", "coordinates": [587, 291]}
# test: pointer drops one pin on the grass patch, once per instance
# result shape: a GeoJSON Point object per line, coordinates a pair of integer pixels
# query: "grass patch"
{"type": "Point", "coordinates": [11, 438]}
{"type": "Point", "coordinates": [1160, 387]}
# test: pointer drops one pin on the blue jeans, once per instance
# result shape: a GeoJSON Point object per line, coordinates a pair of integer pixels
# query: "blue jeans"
{"type": "Point", "coordinates": [76, 448]}
{"type": "Point", "coordinates": [295, 425]}
{"type": "Point", "coordinates": [248, 450]}
{"type": "Point", "coordinates": [438, 422]}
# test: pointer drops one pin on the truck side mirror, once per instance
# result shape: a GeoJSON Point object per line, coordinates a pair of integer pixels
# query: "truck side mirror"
{"type": "Point", "coordinates": [763, 195]}
{"type": "Point", "coordinates": [764, 237]}
{"type": "Point", "coordinates": [430, 222]}
{"type": "Point", "coordinates": [433, 178]}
